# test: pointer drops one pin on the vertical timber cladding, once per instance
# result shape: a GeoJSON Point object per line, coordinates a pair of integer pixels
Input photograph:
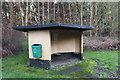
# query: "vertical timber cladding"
{"type": "Point", "coordinates": [65, 41]}
{"type": "Point", "coordinates": [43, 38]}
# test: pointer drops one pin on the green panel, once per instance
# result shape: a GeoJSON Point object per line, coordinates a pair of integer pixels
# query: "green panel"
{"type": "Point", "coordinates": [37, 50]}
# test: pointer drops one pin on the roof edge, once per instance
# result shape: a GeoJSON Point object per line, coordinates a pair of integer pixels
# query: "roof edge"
{"type": "Point", "coordinates": [51, 25]}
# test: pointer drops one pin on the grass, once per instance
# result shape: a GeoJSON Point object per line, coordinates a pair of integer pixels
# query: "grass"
{"type": "Point", "coordinates": [17, 67]}
{"type": "Point", "coordinates": [106, 58]}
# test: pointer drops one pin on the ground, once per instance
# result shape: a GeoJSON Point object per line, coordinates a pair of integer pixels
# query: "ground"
{"type": "Point", "coordinates": [96, 64]}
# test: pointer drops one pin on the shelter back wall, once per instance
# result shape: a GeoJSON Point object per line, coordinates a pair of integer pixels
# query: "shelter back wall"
{"type": "Point", "coordinates": [65, 41]}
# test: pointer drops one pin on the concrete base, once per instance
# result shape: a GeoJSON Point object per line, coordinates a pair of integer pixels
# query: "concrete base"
{"type": "Point", "coordinates": [81, 56]}
{"type": "Point", "coordinates": [65, 56]}
{"type": "Point", "coordinates": [40, 63]}
{"type": "Point", "coordinates": [61, 57]}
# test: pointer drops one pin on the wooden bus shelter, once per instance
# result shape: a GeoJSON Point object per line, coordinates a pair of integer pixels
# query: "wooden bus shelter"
{"type": "Point", "coordinates": [47, 39]}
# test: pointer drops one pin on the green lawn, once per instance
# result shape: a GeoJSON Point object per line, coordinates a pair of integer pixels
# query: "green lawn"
{"type": "Point", "coordinates": [99, 64]}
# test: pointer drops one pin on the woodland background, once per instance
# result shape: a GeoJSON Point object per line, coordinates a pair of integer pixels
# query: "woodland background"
{"type": "Point", "coordinates": [102, 15]}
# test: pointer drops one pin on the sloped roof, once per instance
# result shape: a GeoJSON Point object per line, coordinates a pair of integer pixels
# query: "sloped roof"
{"type": "Point", "coordinates": [52, 26]}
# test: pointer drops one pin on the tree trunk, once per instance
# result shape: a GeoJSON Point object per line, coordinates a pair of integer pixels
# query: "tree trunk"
{"type": "Point", "coordinates": [54, 12]}
{"type": "Point", "coordinates": [43, 12]}
{"type": "Point", "coordinates": [91, 17]}
{"type": "Point", "coordinates": [48, 12]}
{"type": "Point", "coordinates": [81, 14]}
{"type": "Point", "coordinates": [26, 16]}
{"type": "Point", "coordinates": [70, 12]}
{"type": "Point", "coordinates": [96, 27]}
{"type": "Point", "coordinates": [63, 13]}
{"type": "Point", "coordinates": [21, 12]}
{"type": "Point", "coordinates": [38, 12]}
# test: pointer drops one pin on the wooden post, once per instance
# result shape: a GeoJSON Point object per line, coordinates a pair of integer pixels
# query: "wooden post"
{"type": "Point", "coordinates": [81, 44]}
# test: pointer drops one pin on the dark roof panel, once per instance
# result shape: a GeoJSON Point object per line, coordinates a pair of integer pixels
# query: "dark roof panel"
{"type": "Point", "coordinates": [52, 26]}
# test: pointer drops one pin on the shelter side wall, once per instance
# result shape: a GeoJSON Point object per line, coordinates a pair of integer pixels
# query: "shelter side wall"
{"type": "Point", "coordinates": [77, 42]}
{"type": "Point", "coordinates": [65, 41]}
{"type": "Point", "coordinates": [81, 42]}
{"type": "Point", "coordinates": [43, 38]}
